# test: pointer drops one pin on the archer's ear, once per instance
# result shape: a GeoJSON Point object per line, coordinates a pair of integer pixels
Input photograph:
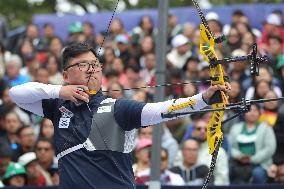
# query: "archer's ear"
{"type": "Point", "coordinates": [65, 76]}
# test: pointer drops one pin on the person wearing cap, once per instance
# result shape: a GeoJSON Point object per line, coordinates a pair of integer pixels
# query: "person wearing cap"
{"type": "Point", "coordinates": [180, 52]}
{"type": "Point", "coordinates": [142, 153]}
{"type": "Point", "coordinates": [271, 26]}
{"type": "Point", "coordinates": [75, 32]}
{"type": "Point", "coordinates": [167, 177]}
{"type": "Point", "coordinates": [15, 175]}
{"type": "Point", "coordinates": [122, 47]}
{"type": "Point", "coordinates": [214, 23]}
{"type": "Point", "coordinates": [94, 135]}
{"type": "Point", "coordinates": [36, 176]}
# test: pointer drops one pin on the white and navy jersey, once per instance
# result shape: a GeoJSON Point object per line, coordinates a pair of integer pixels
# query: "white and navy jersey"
{"type": "Point", "coordinates": [108, 166]}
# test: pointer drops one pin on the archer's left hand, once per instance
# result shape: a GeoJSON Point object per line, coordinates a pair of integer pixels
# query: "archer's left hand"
{"type": "Point", "coordinates": [213, 88]}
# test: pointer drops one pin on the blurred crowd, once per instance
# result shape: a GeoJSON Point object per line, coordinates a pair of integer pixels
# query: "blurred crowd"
{"type": "Point", "coordinates": [252, 149]}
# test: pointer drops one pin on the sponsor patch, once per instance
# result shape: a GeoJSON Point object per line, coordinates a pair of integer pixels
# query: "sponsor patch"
{"type": "Point", "coordinates": [103, 109]}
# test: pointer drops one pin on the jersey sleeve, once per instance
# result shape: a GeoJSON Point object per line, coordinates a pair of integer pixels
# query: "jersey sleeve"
{"type": "Point", "coordinates": [127, 113]}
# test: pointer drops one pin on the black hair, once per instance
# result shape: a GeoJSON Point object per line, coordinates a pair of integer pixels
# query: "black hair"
{"type": "Point", "coordinates": [238, 12]}
{"type": "Point", "coordinates": [20, 130]}
{"type": "Point", "coordinates": [5, 150]}
{"type": "Point", "coordinates": [44, 139]}
{"type": "Point", "coordinates": [111, 73]}
{"type": "Point", "coordinates": [276, 37]}
{"type": "Point", "coordinates": [134, 68]}
{"type": "Point", "coordinates": [48, 24]}
{"type": "Point", "coordinates": [89, 24]}
{"type": "Point", "coordinates": [75, 49]}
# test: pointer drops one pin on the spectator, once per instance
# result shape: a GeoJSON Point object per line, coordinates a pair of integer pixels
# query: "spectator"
{"type": "Point", "coordinates": [214, 23]}
{"type": "Point", "coordinates": [272, 26]}
{"type": "Point", "coordinates": [116, 28]}
{"type": "Point", "coordinates": [26, 138]}
{"type": "Point", "coordinates": [274, 49]}
{"type": "Point", "coordinates": [5, 157]}
{"type": "Point", "coordinates": [168, 142]}
{"type": "Point", "coordinates": [31, 66]}
{"type": "Point", "coordinates": [120, 68]}
{"type": "Point", "coordinates": [45, 153]}
{"type": "Point", "coordinates": [180, 52]}
{"type": "Point", "coordinates": [55, 47]}
{"type": "Point", "coordinates": [53, 67]}
{"type": "Point", "coordinates": [46, 129]}
{"type": "Point", "coordinates": [144, 28]}
{"type": "Point", "coordinates": [42, 75]}
{"type": "Point", "coordinates": [251, 155]}
{"type": "Point", "coordinates": [15, 175]}
{"type": "Point", "coordinates": [88, 30]}
{"type": "Point", "coordinates": [123, 45]}
{"type": "Point", "coordinates": [142, 154]}
{"type": "Point", "coordinates": [109, 57]}
{"type": "Point", "coordinates": [191, 68]}
{"type": "Point", "coordinates": [7, 101]}
{"type": "Point", "coordinates": [166, 176]}
{"type": "Point", "coordinates": [13, 76]}
{"type": "Point", "coordinates": [234, 39]}
{"type": "Point", "coordinates": [115, 90]}
{"type": "Point", "coordinates": [133, 77]}
{"type": "Point", "coordinates": [222, 169]}
{"type": "Point", "coordinates": [147, 46]}
{"type": "Point", "coordinates": [141, 95]}
{"type": "Point", "coordinates": [174, 28]}
{"type": "Point", "coordinates": [189, 170]}
{"type": "Point", "coordinates": [148, 73]}
{"type": "Point", "coordinates": [12, 124]}
{"type": "Point", "coordinates": [36, 175]}
{"type": "Point", "coordinates": [269, 113]}
{"type": "Point", "coordinates": [48, 34]}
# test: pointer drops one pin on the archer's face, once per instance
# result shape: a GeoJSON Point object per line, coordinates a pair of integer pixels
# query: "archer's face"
{"type": "Point", "coordinates": [92, 77]}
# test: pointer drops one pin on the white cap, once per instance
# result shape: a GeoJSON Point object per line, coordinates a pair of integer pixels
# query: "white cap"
{"type": "Point", "coordinates": [27, 158]}
{"type": "Point", "coordinates": [212, 16]}
{"type": "Point", "coordinates": [179, 40]}
{"type": "Point", "coordinates": [238, 52]}
{"type": "Point", "coordinates": [273, 19]}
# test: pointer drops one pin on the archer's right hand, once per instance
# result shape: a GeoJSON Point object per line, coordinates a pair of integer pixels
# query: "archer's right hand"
{"type": "Point", "coordinates": [74, 93]}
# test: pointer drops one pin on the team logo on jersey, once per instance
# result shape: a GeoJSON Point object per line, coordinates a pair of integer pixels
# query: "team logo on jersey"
{"type": "Point", "coordinates": [65, 117]}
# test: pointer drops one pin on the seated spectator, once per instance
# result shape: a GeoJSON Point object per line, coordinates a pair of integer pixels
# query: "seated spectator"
{"type": "Point", "coordinates": [180, 53]}
{"type": "Point", "coordinates": [123, 48]}
{"type": "Point", "coordinates": [269, 113]}
{"type": "Point", "coordinates": [144, 28]}
{"type": "Point", "coordinates": [5, 157]}
{"type": "Point", "coordinates": [142, 154]}
{"type": "Point", "coordinates": [11, 125]}
{"type": "Point", "coordinates": [36, 175]}
{"type": "Point", "coordinates": [46, 129]}
{"type": "Point", "coordinates": [115, 90]}
{"type": "Point", "coordinates": [53, 66]}
{"type": "Point", "coordinates": [42, 75]}
{"type": "Point", "coordinates": [251, 153]}
{"type": "Point", "coordinates": [55, 47]}
{"type": "Point", "coordinates": [148, 73]}
{"type": "Point", "coordinates": [221, 172]}
{"type": "Point", "coordinates": [15, 175]}
{"type": "Point", "coordinates": [7, 101]}
{"type": "Point", "coordinates": [45, 153]}
{"type": "Point", "coordinates": [167, 177]}
{"type": "Point", "coordinates": [13, 76]}
{"type": "Point", "coordinates": [147, 46]}
{"type": "Point", "coordinates": [119, 67]}
{"type": "Point", "coordinates": [191, 172]}
{"type": "Point", "coordinates": [31, 65]}
{"type": "Point", "coordinates": [276, 173]}
{"type": "Point", "coordinates": [26, 138]}
{"type": "Point", "coordinates": [191, 68]}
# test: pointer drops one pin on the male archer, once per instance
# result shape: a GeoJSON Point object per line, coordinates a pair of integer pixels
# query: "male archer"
{"type": "Point", "coordinates": [94, 135]}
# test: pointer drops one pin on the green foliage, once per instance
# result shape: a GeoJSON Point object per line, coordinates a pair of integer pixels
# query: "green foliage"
{"type": "Point", "coordinates": [20, 12]}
